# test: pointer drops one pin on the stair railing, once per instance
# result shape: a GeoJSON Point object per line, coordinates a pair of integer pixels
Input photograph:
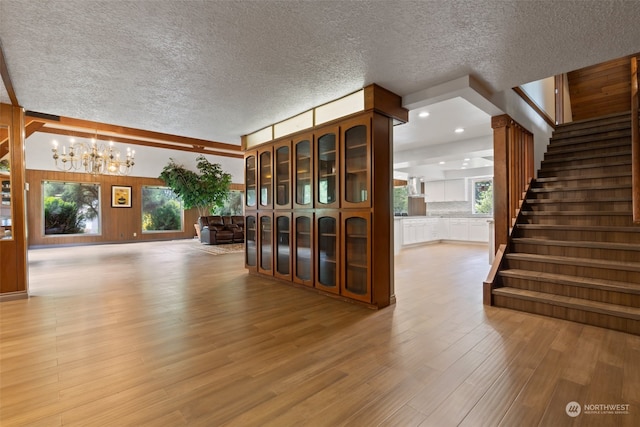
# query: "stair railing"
{"type": "Point", "coordinates": [513, 171]}
{"type": "Point", "coordinates": [635, 140]}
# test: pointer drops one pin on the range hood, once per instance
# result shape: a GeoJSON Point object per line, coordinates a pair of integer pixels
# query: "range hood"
{"type": "Point", "coordinates": [414, 186]}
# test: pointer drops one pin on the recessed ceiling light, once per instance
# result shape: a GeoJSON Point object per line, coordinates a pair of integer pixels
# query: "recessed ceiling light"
{"type": "Point", "coordinates": [424, 114]}
{"type": "Point", "coordinates": [459, 130]}
{"type": "Point", "coordinates": [466, 160]}
{"type": "Point", "coordinates": [463, 167]}
{"type": "Point", "coordinates": [441, 163]}
{"type": "Point", "coordinates": [465, 164]}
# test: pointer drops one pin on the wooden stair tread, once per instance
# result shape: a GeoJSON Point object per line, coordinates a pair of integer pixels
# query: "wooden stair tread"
{"type": "Point", "coordinates": [579, 244]}
{"type": "Point", "coordinates": [581, 188]}
{"type": "Point", "coordinates": [562, 141]}
{"type": "Point", "coordinates": [626, 312]}
{"type": "Point", "coordinates": [581, 177]}
{"type": "Point", "coordinates": [587, 157]}
{"type": "Point", "coordinates": [583, 262]}
{"type": "Point", "coordinates": [587, 166]}
{"type": "Point", "coordinates": [593, 130]}
{"type": "Point", "coordinates": [553, 150]}
{"type": "Point", "coordinates": [613, 117]}
{"type": "Point", "coordinates": [576, 213]}
{"type": "Point", "coordinates": [564, 279]}
{"type": "Point", "coordinates": [609, 228]}
{"type": "Point", "coordinates": [579, 200]}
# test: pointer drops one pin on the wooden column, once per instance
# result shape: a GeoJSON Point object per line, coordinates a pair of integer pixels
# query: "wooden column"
{"type": "Point", "coordinates": [513, 170]}
{"type": "Point", "coordinates": [635, 140]}
{"type": "Point", "coordinates": [559, 86]}
{"type": "Point", "coordinates": [13, 251]}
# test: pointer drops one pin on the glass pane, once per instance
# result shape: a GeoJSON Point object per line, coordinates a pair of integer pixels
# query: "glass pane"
{"type": "Point", "coordinates": [282, 243]}
{"type": "Point", "coordinates": [282, 176]}
{"type": "Point", "coordinates": [303, 248]}
{"type": "Point", "coordinates": [232, 205]}
{"type": "Point", "coordinates": [251, 240]}
{"type": "Point", "coordinates": [71, 208]}
{"type": "Point", "coordinates": [161, 210]}
{"type": "Point", "coordinates": [303, 172]}
{"type": "Point", "coordinates": [327, 168]}
{"type": "Point", "coordinates": [250, 170]}
{"type": "Point", "coordinates": [265, 243]}
{"type": "Point", "coordinates": [327, 251]}
{"type": "Point", "coordinates": [356, 164]}
{"type": "Point", "coordinates": [265, 178]}
{"type": "Point", "coordinates": [356, 256]}
{"type": "Point", "coordinates": [5, 182]}
{"type": "Point", "coordinates": [483, 196]}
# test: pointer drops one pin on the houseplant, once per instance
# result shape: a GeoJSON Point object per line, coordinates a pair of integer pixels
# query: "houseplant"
{"type": "Point", "coordinates": [203, 190]}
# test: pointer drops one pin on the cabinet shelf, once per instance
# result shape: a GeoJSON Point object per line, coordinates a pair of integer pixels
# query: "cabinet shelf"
{"type": "Point", "coordinates": [356, 171]}
{"type": "Point", "coordinates": [356, 146]}
{"type": "Point", "coordinates": [328, 235]}
{"type": "Point", "coordinates": [357, 265]}
{"type": "Point", "coordinates": [356, 236]}
{"type": "Point", "coordinates": [327, 175]}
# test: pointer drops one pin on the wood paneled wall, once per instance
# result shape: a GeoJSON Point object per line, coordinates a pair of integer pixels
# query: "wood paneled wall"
{"type": "Point", "coordinates": [118, 224]}
{"type": "Point", "coordinates": [600, 89]}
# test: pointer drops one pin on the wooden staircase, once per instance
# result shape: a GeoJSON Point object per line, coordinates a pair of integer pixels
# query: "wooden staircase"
{"type": "Point", "coordinates": [574, 252]}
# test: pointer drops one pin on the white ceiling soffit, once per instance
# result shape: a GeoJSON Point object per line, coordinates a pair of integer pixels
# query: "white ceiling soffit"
{"type": "Point", "coordinates": [216, 70]}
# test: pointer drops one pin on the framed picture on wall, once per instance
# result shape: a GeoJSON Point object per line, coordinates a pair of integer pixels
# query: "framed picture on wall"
{"type": "Point", "coordinates": [120, 196]}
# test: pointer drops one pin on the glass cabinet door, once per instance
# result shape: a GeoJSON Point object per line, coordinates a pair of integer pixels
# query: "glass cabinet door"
{"type": "Point", "coordinates": [303, 173]}
{"type": "Point", "coordinates": [251, 258]}
{"type": "Point", "coordinates": [327, 253]}
{"type": "Point", "coordinates": [303, 245]}
{"type": "Point", "coordinates": [265, 244]}
{"type": "Point", "coordinates": [283, 174]}
{"type": "Point", "coordinates": [327, 169]}
{"type": "Point", "coordinates": [357, 166]}
{"type": "Point", "coordinates": [356, 258]}
{"type": "Point", "coordinates": [265, 179]}
{"type": "Point", "coordinates": [250, 181]}
{"type": "Point", "coordinates": [283, 246]}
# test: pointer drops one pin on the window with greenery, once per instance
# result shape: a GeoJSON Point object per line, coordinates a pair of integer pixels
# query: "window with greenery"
{"type": "Point", "coordinates": [483, 196]}
{"type": "Point", "coordinates": [71, 208]}
{"type": "Point", "coordinates": [232, 204]}
{"type": "Point", "coordinates": [161, 210]}
{"type": "Point", "coordinates": [400, 200]}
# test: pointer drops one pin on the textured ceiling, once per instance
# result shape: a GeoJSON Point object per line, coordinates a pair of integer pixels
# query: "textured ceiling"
{"type": "Point", "coordinates": [219, 69]}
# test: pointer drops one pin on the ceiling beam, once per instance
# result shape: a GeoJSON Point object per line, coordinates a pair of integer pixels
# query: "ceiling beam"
{"type": "Point", "coordinates": [32, 127]}
{"type": "Point", "coordinates": [4, 72]}
{"type": "Point", "coordinates": [117, 138]}
{"type": "Point", "coordinates": [87, 125]}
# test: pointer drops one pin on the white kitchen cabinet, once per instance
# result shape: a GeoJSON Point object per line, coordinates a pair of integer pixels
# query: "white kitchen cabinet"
{"type": "Point", "coordinates": [443, 228]}
{"type": "Point", "coordinates": [455, 190]}
{"type": "Point", "coordinates": [478, 230]}
{"type": "Point", "coordinates": [434, 191]}
{"type": "Point", "coordinates": [458, 229]}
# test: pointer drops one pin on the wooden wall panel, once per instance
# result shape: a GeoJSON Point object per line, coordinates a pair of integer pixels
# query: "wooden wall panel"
{"type": "Point", "coordinates": [118, 224]}
{"type": "Point", "coordinates": [601, 89]}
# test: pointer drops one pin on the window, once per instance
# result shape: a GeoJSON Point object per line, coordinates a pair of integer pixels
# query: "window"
{"type": "Point", "coordinates": [161, 210]}
{"type": "Point", "coordinates": [232, 204]}
{"type": "Point", "coordinates": [71, 208]}
{"type": "Point", "coordinates": [483, 196]}
{"type": "Point", "coordinates": [400, 200]}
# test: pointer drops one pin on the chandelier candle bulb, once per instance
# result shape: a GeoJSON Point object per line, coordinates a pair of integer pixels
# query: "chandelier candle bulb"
{"type": "Point", "coordinates": [93, 158]}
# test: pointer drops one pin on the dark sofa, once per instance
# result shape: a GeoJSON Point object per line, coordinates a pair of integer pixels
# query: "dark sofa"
{"type": "Point", "coordinates": [215, 229]}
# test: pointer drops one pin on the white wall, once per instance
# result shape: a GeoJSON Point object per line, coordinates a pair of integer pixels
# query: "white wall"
{"type": "Point", "coordinates": [543, 94]}
{"type": "Point", "coordinates": [149, 161]}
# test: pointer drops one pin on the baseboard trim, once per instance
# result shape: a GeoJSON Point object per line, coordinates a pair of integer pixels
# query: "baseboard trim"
{"type": "Point", "coordinates": [10, 296]}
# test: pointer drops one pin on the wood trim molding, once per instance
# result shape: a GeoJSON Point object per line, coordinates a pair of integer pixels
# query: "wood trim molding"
{"type": "Point", "coordinates": [132, 135]}
{"type": "Point", "coordinates": [635, 140]}
{"type": "Point", "coordinates": [385, 102]}
{"type": "Point", "coordinates": [534, 107]}
{"type": "Point", "coordinates": [559, 98]}
{"type": "Point", "coordinates": [6, 79]}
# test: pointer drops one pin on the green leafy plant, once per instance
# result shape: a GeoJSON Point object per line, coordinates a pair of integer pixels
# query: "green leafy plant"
{"type": "Point", "coordinates": [62, 217]}
{"type": "Point", "coordinates": [204, 190]}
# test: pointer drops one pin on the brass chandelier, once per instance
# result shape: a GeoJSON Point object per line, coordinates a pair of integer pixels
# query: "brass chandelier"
{"type": "Point", "coordinates": [94, 158]}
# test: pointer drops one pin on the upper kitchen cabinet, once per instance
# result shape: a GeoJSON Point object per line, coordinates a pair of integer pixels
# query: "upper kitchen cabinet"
{"type": "Point", "coordinates": [327, 161]}
{"type": "Point", "coordinates": [356, 177]}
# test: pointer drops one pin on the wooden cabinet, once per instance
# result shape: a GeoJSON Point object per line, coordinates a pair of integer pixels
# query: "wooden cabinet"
{"type": "Point", "coordinates": [315, 208]}
{"type": "Point", "coordinates": [282, 244]}
{"type": "Point", "coordinates": [303, 166]}
{"type": "Point", "coordinates": [251, 242]}
{"type": "Point", "coordinates": [265, 179]}
{"type": "Point", "coordinates": [327, 251]}
{"type": "Point", "coordinates": [327, 168]}
{"type": "Point", "coordinates": [303, 244]}
{"type": "Point", "coordinates": [265, 243]}
{"type": "Point", "coordinates": [356, 170]}
{"type": "Point", "coordinates": [282, 162]}
{"type": "Point", "coordinates": [356, 274]}
{"type": "Point", "coordinates": [251, 180]}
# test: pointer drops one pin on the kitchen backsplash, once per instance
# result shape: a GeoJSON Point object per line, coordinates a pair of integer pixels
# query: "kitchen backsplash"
{"type": "Point", "coordinates": [452, 209]}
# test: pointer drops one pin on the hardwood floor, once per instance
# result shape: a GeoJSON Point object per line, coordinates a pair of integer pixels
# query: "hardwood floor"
{"type": "Point", "coordinates": [163, 334]}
